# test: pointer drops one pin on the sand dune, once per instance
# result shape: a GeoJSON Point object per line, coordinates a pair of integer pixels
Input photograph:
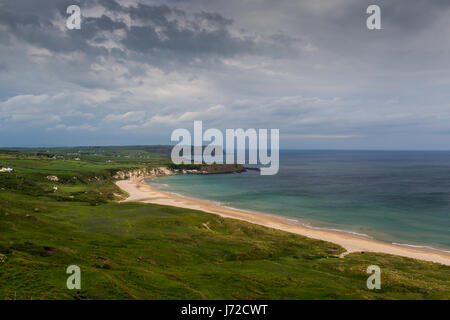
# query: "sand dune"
{"type": "Point", "coordinates": [140, 192]}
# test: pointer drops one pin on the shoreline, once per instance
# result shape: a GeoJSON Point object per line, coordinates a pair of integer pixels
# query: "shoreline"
{"type": "Point", "coordinates": [141, 192]}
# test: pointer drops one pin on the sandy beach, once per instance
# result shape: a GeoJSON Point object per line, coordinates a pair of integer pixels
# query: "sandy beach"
{"type": "Point", "coordinates": [141, 192]}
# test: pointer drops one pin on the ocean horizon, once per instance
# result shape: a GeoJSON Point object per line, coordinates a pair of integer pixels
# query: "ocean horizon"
{"type": "Point", "coordinates": [401, 197]}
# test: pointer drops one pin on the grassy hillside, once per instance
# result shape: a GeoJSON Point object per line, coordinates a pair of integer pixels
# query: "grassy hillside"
{"type": "Point", "coordinates": [141, 251]}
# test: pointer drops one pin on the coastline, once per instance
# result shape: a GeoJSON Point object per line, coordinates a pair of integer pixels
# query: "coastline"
{"type": "Point", "coordinates": [141, 192]}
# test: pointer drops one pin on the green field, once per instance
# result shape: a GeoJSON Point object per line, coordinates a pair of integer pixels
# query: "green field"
{"type": "Point", "coordinates": [143, 251]}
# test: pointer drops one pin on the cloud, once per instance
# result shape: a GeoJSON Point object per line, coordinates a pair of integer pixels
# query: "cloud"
{"type": "Point", "coordinates": [126, 117]}
{"type": "Point", "coordinates": [309, 68]}
{"type": "Point", "coordinates": [317, 136]}
{"type": "Point", "coordinates": [180, 119]}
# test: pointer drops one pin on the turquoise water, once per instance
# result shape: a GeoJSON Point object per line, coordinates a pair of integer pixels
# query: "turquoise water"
{"type": "Point", "coordinates": [399, 197]}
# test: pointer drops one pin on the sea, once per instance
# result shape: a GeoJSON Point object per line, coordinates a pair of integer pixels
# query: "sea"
{"type": "Point", "coordinates": [401, 197]}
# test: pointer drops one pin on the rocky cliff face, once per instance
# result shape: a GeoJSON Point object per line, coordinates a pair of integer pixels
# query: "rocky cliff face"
{"type": "Point", "coordinates": [142, 173]}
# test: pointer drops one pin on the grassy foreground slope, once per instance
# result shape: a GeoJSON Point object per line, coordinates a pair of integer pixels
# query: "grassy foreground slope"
{"type": "Point", "coordinates": [142, 251]}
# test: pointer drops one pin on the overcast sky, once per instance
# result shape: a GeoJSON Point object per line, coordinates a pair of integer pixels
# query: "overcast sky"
{"type": "Point", "coordinates": [139, 69]}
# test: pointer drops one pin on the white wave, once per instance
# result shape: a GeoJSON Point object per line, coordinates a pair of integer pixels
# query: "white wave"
{"type": "Point", "coordinates": [239, 209]}
{"type": "Point", "coordinates": [338, 230]}
{"type": "Point", "coordinates": [158, 185]}
{"type": "Point", "coordinates": [178, 195]}
{"type": "Point", "coordinates": [419, 247]}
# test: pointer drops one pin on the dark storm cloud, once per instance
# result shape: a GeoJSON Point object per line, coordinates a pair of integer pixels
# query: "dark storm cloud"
{"type": "Point", "coordinates": [110, 5]}
{"type": "Point", "coordinates": [214, 18]}
{"type": "Point", "coordinates": [165, 30]}
{"type": "Point", "coordinates": [104, 23]}
{"type": "Point", "coordinates": [156, 14]}
{"type": "Point", "coordinates": [180, 34]}
{"type": "Point", "coordinates": [36, 25]}
{"type": "Point", "coordinates": [412, 16]}
{"type": "Point", "coordinates": [180, 41]}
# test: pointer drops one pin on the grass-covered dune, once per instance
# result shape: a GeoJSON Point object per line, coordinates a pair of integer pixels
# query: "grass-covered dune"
{"type": "Point", "coordinates": [142, 251]}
